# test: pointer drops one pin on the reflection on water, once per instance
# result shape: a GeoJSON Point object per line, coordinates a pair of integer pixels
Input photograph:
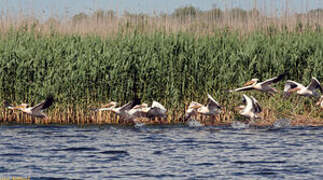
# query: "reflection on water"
{"type": "Point", "coordinates": [170, 152]}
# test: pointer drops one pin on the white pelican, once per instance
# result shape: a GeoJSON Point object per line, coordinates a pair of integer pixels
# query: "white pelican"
{"type": "Point", "coordinates": [320, 102]}
{"type": "Point", "coordinates": [309, 91]}
{"type": "Point", "coordinates": [250, 109]}
{"type": "Point", "coordinates": [192, 110]}
{"type": "Point", "coordinates": [212, 108]}
{"type": "Point", "coordinates": [156, 110]}
{"type": "Point", "coordinates": [37, 110]}
{"type": "Point", "coordinates": [122, 111]}
{"type": "Point", "coordinates": [260, 86]}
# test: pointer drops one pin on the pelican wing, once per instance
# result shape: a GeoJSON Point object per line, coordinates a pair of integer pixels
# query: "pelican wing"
{"type": "Point", "coordinates": [249, 103]}
{"type": "Point", "coordinates": [43, 105]}
{"type": "Point", "coordinates": [290, 85]}
{"type": "Point", "coordinates": [157, 105]}
{"type": "Point", "coordinates": [156, 110]}
{"type": "Point", "coordinates": [127, 107]}
{"type": "Point", "coordinates": [315, 84]}
{"type": "Point", "coordinates": [274, 79]}
{"type": "Point", "coordinates": [246, 88]}
{"type": "Point", "coordinates": [212, 104]}
{"type": "Point", "coordinates": [256, 105]}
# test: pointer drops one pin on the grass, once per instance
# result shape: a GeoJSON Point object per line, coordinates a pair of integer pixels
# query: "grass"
{"type": "Point", "coordinates": [171, 62]}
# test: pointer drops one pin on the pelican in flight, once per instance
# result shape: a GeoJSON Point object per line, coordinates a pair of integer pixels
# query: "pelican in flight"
{"type": "Point", "coordinates": [320, 102]}
{"type": "Point", "coordinates": [156, 110]}
{"type": "Point", "coordinates": [122, 111]}
{"type": "Point", "coordinates": [264, 86]}
{"type": "Point", "coordinates": [250, 109]}
{"type": "Point", "coordinates": [212, 108]}
{"type": "Point", "coordinates": [35, 111]}
{"type": "Point", "coordinates": [308, 91]}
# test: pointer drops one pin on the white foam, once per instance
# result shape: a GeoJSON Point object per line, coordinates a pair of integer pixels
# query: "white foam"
{"type": "Point", "coordinates": [239, 125]}
{"type": "Point", "coordinates": [194, 123]}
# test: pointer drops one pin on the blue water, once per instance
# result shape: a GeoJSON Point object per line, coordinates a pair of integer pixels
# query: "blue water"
{"type": "Point", "coordinates": [160, 152]}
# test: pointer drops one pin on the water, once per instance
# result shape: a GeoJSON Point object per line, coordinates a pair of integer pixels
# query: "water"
{"type": "Point", "coordinates": [161, 152]}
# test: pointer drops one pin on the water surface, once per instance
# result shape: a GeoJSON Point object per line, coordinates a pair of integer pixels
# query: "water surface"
{"type": "Point", "coordinates": [160, 152]}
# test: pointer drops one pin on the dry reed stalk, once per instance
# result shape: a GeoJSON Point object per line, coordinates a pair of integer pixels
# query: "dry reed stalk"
{"type": "Point", "coordinates": [200, 24]}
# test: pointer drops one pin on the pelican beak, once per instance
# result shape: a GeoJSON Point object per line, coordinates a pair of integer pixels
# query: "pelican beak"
{"type": "Point", "coordinates": [110, 104]}
{"type": "Point", "coordinates": [249, 83]}
{"type": "Point", "coordinates": [238, 108]}
{"type": "Point", "coordinates": [21, 106]}
{"type": "Point", "coordinates": [196, 106]}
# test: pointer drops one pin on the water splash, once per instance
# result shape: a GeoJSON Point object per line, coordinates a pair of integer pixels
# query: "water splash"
{"type": "Point", "coordinates": [139, 124]}
{"type": "Point", "coordinates": [239, 125]}
{"type": "Point", "coordinates": [194, 123]}
{"type": "Point", "coordinates": [284, 122]}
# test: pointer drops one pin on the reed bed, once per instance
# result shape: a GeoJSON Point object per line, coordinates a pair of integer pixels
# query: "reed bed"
{"type": "Point", "coordinates": [173, 60]}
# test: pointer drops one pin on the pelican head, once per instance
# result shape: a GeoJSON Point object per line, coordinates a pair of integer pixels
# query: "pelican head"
{"type": "Point", "coordinates": [251, 82]}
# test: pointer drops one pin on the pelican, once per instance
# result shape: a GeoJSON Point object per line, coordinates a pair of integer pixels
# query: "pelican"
{"type": "Point", "coordinates": [156, 110]}
{"type": "Point", "coordinates": [212, 108]}
{"type": "Point", "coordinates": [192, 110]}
{"type": "Point", "coordinates": [250, 109]}
{"type": "Point", "coordinates": [308, 91]}
{"type": "Point", "coordinates": [35, 111]}
{"type": "Point", "coordinates": [123, 111]}
{"type": "Point", "coordinates": [261, 86]}
{"type": "Point", "coordinates": [320, 102]}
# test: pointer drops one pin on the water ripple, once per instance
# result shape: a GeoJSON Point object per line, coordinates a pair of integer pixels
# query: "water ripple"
{"type": "Point", "coordinates": [161, 152]}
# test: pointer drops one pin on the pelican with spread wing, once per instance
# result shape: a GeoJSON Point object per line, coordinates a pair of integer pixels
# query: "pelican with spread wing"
{"type": "Point", "coordinates": [300, 89]}
{"type": "Point", "coordinates": [156, 110]}
{"type": "Point", "coordinates": [251, 109]}
{"type": "Point", "coordinates": [212, 108]}
{"type": "Point", "coordinates": [35, 111]}
{"type": "Point", "coordinates": [261, 86]}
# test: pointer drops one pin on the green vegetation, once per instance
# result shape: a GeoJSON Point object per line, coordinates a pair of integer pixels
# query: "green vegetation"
{"type": "Point", "coordinates": [171, 68]}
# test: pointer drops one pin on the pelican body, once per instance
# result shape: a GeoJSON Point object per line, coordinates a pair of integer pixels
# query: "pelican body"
{"type": "Point", "coordinates": [212, 108]}
{"type": "Point", "coordinates": [260, 86]}
{"type": "Point", "coordinates": [300, 89]}
{"type": "Point", "coordinates": [251, 109]}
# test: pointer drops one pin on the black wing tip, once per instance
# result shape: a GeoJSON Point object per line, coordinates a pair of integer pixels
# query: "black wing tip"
{"type": "Point", "coordinates": [280, 76]}
{"type": "Point", "coordinates": [49, 101]}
